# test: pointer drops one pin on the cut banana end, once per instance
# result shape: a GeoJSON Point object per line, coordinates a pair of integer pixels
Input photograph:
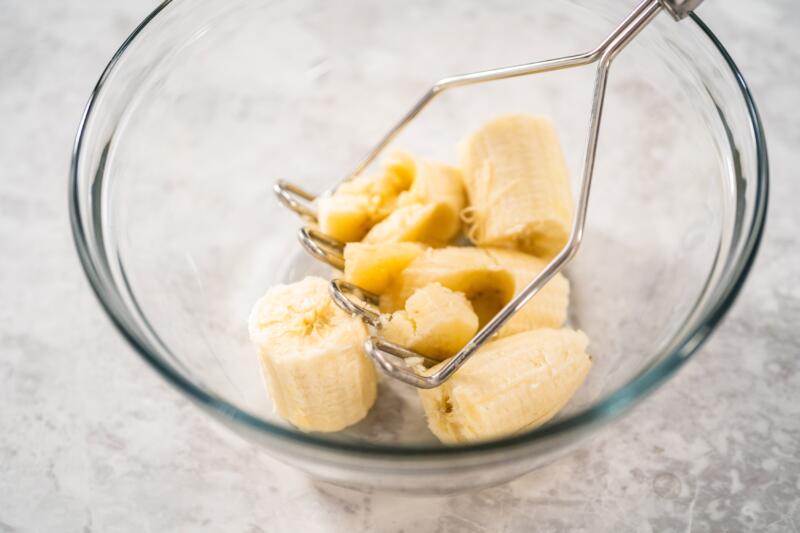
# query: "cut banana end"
{"type": "Point", "coordinates": [357, 205]}
{"type": "Point", "coordinates": [517, 184]}
{"type": "Point", "coordinates": [429, 212]}
{"type": "Point", "coordinates": [312, 358]}
{"type": "Point", "coordinates": [429, 224]}
{"type": "Point", "coordinates": [489, 277]}
{"type": "Point", "coordinates": [437, 182]}
{"type": "Point", "coordinates": [346, 218]}
{"type": "Point", "coordinates": [373, 267]}
{"type": "Point", "coordinates": [510, 385]}
{"type": "Point", "coordinates": [471, 271]}
{"type": "Point", "coordinates": [548, 308]}
{"type": "Point", "coordinates": [436, 322]}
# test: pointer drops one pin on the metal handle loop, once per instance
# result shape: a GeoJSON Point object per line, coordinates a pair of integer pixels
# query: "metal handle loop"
{"type": "Point", "coordinates": [341, 290]}
{"type": "Point", "coordinates": [288, 194]}
{"type": "Point", "coordinates": [322, 247]}
{"type": "Point", "coordinates": [395, 360]}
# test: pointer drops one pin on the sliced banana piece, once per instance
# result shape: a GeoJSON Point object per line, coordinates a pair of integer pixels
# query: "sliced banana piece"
{"type": "Point", "coordinates": [429, 212]}
{"type": "Point", "coordinates": [421, 223]}
{"type": "Point", "coordinates": [312, 358]}
{"type": "Point", "coordinates": [357, 205]}
{"type": "Point", "coordinates": [510, 385]}
{"type": "Point", "coordinates": [469, 270]}
{"type": "Point", "coordinates": [373, 267]}
{"type": "Point", "coordinates": [489, 277]}
{"type": "Point", "coordinates": [548, 308]}
{"type": "Point", "coordinates": [436, 322]}
{"type": "Point", "coordinates": [517, 184]}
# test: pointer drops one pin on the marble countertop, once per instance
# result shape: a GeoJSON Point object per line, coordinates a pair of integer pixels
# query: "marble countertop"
{"type": "Point", "coordinates": [93, 440]}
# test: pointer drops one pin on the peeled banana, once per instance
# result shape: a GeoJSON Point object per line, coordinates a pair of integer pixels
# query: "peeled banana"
{"type": "Point", "coordinates": [373, 267]}
{"type": "Point", "coordinates": [468, 270]}
{"type": "Point", "coordinates": [548, 308]}
{"type": "Point", "coordinates": [429, 212]}
{"type": "Point", "coordinates": [509, 385]}
{"type": "Point", "coordinates": [357, 205]}
{"type": "Point", "coordinates": [311, 357]}
{"type": "Point", "coordinates": [489, 277]}
{"type": "Point", "coordinates": [517, 184]}
{"type": "Point", "coordinates": [436, 322]}
{"type": "Point", "coordinates": [408, 201]}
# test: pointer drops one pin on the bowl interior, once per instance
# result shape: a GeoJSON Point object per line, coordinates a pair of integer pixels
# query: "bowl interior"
{"type": "Point", "coordinates": [249, 92]}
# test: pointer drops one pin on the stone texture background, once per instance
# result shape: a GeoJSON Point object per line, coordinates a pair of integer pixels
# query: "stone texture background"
{"type": "Point", "coordinates": [92, 440]}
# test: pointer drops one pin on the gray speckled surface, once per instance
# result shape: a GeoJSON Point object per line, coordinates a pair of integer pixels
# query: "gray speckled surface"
{"type": "Point", "coordinates": [92, 440]}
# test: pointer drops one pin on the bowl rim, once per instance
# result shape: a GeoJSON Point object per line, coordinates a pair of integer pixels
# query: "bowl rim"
{"type": "Point", "coordinates": [610, 408]}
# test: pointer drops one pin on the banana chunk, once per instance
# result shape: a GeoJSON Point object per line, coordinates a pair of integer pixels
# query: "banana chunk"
{"type": "Point", "coordinates": [311, 357]}
{"type": "Point", "coordinates": [548, 308]}
{"type": "Point", "coordinates": [436, 322]}
{"type": "Point", "coordinates": [469, 270]}
{"type": "Point", "coordinates": [517, 184]}
{"type": "Point", "coordinates": [423, 223]}
{"type": "Point", "coordinates": [429, 212]}
{"type": "Point", "coordinates": [489, 277]}
{"type": "Point", "coordinates": [373, 267]}
{"type": "Point", "coordinates": [357, 205]}
{"type": "Point", "coordinates": [510, 385]}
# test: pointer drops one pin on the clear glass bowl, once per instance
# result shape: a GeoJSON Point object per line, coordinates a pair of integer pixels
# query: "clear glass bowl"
{"type": "Point", "coordinates": [207, 103]}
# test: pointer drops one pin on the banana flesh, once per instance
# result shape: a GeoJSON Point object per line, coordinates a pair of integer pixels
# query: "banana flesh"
{"type": "Point", "coordinates": [548, 308]}
{"type": "Point", "coordinates": [408, 201]}
{"type": "Point", "coordinates": [429, 212]}
{"type": "Point", "coordinates": [357, 205]}
{"type": "Point", "coordinates": [489, 277]}
{"type": "Point", "coordinates": [311, 356]}
{"type": "Point", "coordinates": [436, 322]}
{"type": "Point", "coordinates": [373, 267]}
{"type": "Point", "coordinates": [510, 385]}
{"type": "Point", "coordinates": [518, 187]}
{"type": "Point", "coordinates": [468, 270]}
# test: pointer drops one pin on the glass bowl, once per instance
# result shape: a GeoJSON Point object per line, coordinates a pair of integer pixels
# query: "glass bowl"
{"type": "Point", "coordinates": [207, 103]}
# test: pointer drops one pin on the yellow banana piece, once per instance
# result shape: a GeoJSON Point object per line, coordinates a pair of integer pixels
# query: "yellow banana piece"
{"type": "Point", "coordinates": [548, 308]}
{"type": "Point", "coordinates": [489, 277]}
{"type": "Point", "coordinates": [429, 212]}
{"type": "Point", "coordinates": [469, 270]}
{"type": "Point", "coordinates": [312, 358]}
{"type": "Point", "coordinates": [517, 184]}
{"type": "Point", "coordinates": [436, 322]}
{"type": "Point", "coordinates": [510, 385]}
{"type": "Point", "coordinates": [357, 205]}
{"type": "Point", "coordinates": [373, 267]}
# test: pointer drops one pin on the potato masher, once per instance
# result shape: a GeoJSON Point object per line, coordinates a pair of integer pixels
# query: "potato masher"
{"type": "Point", "coordinates": [392, 357]}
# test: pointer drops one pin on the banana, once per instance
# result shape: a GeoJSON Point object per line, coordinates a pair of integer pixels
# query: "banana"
{"type": "Point", "coordinates": [489, 277]}
{"type": "Point", "coordinates": [429, 212]}
{"type": "Point", "coordinates": [469, 270]}
{"type": "Point", "coordinates": [436, 322]}
{"type": "Point", "coordinates": [517, 184]}
{"type": "Point", "coordinates": [357, 205]}
{"type": "Point", "coordinates": [548, 308]}
{"type": "Point", "coordinates": [510, 385]}
{"type": "Point", "coordinates": [412, 223]}
{"type": "Point", "coordinates": [311, 357]}
{"type": "Point", "coordinates": [373, 266]}
{"type": "Point", "coordinates": [440, 183]}
{"type": "Point", "coordinates": [433, 297]}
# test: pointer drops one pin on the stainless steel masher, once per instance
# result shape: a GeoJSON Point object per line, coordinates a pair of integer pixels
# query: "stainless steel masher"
{"type": "Point", "coordinates": [392, 357]}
